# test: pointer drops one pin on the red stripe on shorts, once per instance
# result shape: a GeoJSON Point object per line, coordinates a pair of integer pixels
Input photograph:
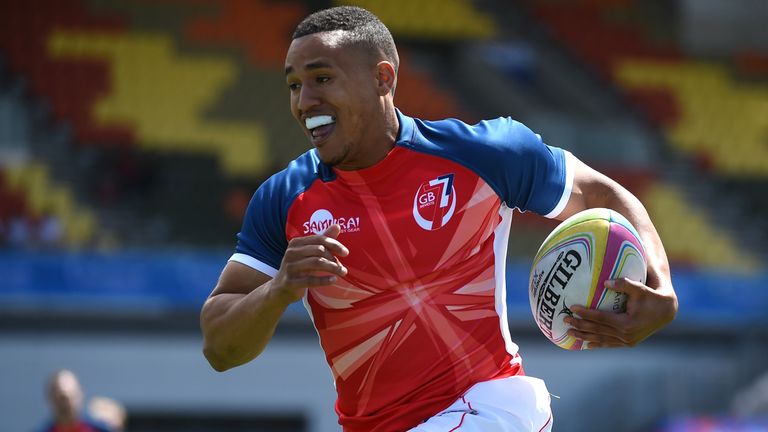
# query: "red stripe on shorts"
{"type": "Point", "coordinates": [460, 422]}
{"type": "Point", "coordinates": [547, 423]}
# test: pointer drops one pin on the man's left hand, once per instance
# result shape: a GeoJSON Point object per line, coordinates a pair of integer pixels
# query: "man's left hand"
{"type": "Point", "coordinates": [647, 311]}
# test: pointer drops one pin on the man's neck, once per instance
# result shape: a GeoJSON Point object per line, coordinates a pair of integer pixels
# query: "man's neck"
{"type": "Point", "coordinates": [374, 151]}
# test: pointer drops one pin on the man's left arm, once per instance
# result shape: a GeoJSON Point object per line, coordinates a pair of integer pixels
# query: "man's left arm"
{"type": "Point", "coordinates": [650, 306]}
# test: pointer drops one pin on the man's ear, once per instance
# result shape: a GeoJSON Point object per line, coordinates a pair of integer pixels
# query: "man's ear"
{"type": "Point", "coordinates": [386, 78]}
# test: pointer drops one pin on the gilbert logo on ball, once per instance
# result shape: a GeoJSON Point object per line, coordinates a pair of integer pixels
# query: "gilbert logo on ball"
{"type": "Point", "coordinates": [574, 262]}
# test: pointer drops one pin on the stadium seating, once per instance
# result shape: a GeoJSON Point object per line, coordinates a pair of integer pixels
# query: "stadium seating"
{"type": "Point", "coordinates": [71, 88]}
{"type": "Point", "coordinates": [194, 78]}
{"type": "Point", "coordinates": [418, 94]}
{"type": "Point", "coordinates": [689, 237]}
{"type": "Point", "coordinates": [181, 78]}
{"type": "Point", "coordinates": [724, 120]}
{"type": "Point", "coordinates": [594, 32]}
{"type": "Point", "coordinates": [699, 105]}
{"type": "Point", "coordinates": [705, 112]}
{"type": "Point", "coordinates": [32, 194]}
{"type": "Point", "coordinates": [163, 96]}
{"type": "Point", "coordinates": [156, 121]}
{"type": "Point", "coordinates": [260, 27]}
{"type": "Point", "coordinates": [12, 202]}
{"type": "Point", "coordinates": [446, 20]}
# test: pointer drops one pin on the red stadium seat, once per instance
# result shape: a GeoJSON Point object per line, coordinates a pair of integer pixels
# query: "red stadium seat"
{"type": "Point", "coordinates": [262, 28]}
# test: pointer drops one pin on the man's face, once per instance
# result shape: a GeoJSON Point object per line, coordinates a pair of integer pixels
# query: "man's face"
{"type": "Point", "coordinates": [334, 95]}
{"type": "Point", "coordinates": [66, 397]}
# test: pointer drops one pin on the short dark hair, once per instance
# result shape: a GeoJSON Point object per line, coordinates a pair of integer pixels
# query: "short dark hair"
{"type": "Point", "coordinates": [364, 28]}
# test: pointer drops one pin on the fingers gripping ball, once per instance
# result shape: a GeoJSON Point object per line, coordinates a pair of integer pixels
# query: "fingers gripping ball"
{"type": "Point", "coordinates": [572, 265]}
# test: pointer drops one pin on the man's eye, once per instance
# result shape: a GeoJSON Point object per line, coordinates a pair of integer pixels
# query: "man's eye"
{"type": "Point", "coordinates": [294, 86]}
{"type": "Point", "coordinates": [323, 79]}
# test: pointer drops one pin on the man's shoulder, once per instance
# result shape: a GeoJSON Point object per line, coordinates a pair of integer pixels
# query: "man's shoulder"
{"type": "Point", "coordinates": [296, 176]}
{"type": "Point", "coordinates": [305, 165]}
{"type": "Point", "coordinates": [481, 145]}
{"type": "Point", "coordinates": [457, 135]}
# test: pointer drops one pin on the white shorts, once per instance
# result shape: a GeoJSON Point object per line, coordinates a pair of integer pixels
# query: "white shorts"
{"type": "Point", "coordinates": [514, 404]}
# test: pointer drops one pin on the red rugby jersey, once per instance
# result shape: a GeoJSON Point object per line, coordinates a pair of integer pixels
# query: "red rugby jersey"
{"type": "Point", "coordinates": [421, 315]}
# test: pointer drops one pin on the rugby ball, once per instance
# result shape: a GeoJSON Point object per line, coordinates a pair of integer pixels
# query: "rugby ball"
{"type": "Point", "coordinates": [572, 265]}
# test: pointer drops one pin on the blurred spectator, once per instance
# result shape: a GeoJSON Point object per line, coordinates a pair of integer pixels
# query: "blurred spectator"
{"type": "Point", "coordinates": [18, 232]}
{"type": "Point", "coordinates": [752, 401]}
{"type": "Point", "coordinates": [66, 399]}
{"type": "Point", "coordinates": [108, 411]}
{"type": "Point", "coordinates": [24, 232]}
{"type": "Point", "coordinates": [49, 233]}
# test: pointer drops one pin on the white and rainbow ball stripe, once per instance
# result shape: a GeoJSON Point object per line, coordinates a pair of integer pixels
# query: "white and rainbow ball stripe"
{"type": "Point", "coordinates": [573, 263]}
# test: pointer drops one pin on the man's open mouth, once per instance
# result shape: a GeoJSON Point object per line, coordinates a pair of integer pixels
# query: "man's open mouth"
{"type": "Point", "coordinates": [320, 126]}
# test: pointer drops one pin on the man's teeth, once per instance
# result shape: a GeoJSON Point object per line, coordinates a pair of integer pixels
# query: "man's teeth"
{"type": "Point", "coordinates": [313, 122]}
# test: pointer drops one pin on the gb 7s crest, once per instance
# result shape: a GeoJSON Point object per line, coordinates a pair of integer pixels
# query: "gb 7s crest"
{"type": "Point", "coordinates": [435, 202]}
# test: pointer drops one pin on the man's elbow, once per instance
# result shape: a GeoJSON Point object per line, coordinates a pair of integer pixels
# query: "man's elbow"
{"type": "Point", "coordinates": [672, 308]}
{"type": "Point", "coordinates": [224, 358]}
{"type": "Point", "coordinates": [218, 362]}
{"type": "Point", "coordinates": [220, 356]}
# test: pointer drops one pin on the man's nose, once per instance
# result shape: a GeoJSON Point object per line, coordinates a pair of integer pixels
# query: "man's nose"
{"type": "Point", "coordinates": [308, 98]}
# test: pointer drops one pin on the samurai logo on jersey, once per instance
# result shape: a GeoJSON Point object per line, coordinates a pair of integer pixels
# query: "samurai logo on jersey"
{"type": "Point", "coordinates": [435, 202]}
{"type": "Point", "coordinates": [322, 219]}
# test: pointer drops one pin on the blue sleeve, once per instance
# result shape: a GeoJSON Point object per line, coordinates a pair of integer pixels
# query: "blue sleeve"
{"type": "Point", "coordinates": [535, 176]}
{"type": "Point", "coordinates": [261, 242]}
{"type": "Point", "coordinates": [262, 235]}
{"type": "Point", "coordinates": [524, 172]}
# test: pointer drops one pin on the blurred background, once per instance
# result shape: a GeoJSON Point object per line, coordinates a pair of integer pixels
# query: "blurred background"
{"type": "Point", "coordinates": [133, 133]}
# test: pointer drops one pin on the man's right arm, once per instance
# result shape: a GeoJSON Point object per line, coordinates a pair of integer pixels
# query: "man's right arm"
{"type": "Point", "coordinates": [241, 314]}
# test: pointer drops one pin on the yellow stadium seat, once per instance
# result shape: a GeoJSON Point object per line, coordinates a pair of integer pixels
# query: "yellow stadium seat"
{"type": "Point", "coordinates": [43, 197]}
{"type": "Point", "coordinates": [689, 235]}
{"type": "Point", "coordinates": [430, 19]}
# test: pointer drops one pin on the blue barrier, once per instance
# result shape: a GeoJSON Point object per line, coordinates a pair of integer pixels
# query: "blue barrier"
{"type": "Point", "coordinates": [150, 281]}
{"type": "Point", "coordinates": [124, 280]}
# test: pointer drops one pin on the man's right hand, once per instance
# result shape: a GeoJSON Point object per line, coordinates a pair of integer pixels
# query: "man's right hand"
{"type": "Point", "coordinates": [309, 262]}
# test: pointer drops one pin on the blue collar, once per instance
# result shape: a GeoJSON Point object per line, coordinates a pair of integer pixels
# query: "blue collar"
{"type": "Point", "coordinates": [407, 126]}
